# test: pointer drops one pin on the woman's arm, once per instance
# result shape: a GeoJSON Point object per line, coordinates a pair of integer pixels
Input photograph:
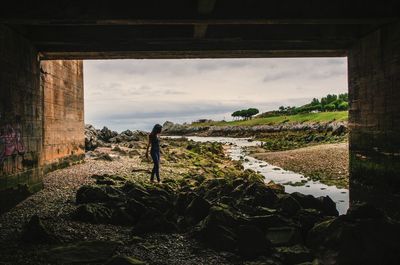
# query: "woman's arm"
{"type": "Point", "coordinates": [147, 148]}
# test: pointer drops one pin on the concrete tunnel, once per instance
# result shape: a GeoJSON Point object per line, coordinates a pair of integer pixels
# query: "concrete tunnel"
{"type": "Point", "coordinates": [42, 44]}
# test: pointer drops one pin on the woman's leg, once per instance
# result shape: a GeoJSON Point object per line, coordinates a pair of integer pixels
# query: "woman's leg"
{"type": "Point", "coordinates": [156, 166]}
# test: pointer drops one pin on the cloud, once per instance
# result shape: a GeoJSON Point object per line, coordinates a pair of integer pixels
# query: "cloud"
{"type": "Point", "coordinates": [137, 93]}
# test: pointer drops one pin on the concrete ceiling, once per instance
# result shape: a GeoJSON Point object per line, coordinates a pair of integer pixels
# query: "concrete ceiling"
{"type": "Point", "coordinates": [195, 29]}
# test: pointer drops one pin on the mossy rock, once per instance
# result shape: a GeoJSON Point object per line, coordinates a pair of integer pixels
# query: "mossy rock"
{"type": "Point", "coordinates": [124, 260]}
{"type": "Point", "coordinates": [87, 252]}
{"type": "Point", "coordinates": [91, 194]}
{"type": "Point", "coordinates": [93, 213]}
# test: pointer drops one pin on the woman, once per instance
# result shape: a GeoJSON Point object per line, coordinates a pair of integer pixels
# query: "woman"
{"type": "Point", "coordinates": [154, 151]}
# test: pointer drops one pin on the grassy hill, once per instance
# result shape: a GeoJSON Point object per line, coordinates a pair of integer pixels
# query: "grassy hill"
{"type": "Point", "coordinates": [298, 118]}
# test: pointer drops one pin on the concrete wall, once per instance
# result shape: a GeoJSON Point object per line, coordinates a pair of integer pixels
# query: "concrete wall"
{"type": "Point", "coordinates": [63, 124]}
{"type": "Point", "coordinates": [41, 117]}
{"type": "Point", "coordinates": [21, 119]}
{"type": "Point", "coordinates": [374, 91]}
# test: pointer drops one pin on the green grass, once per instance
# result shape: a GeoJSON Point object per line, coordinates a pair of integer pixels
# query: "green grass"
{"type": "Point", "coordinates": [298, 118]}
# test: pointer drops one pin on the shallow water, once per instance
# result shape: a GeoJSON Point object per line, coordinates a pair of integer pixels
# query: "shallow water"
{"type": "Point", "coordinates": [277, 174]}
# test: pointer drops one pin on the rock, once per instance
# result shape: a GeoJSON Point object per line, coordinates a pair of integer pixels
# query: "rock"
{"type": "Point", "coordinates": [135, 209]}
{"type": "Point", "coordinates": [217, 236]}
{"type": "Point", "coordinates": [364, 210]}
{"type": "Point", "coordinates": [354, 240]}
{"type": "Point", "coordinates": [106, 134]}
{"type": "Point", "coordinates": [183, 200]}
{"type": "Point", "coordinates": [161, 203]}
{"type": "Point", "coordinates": [135, 191]}
{"type": "Point", "coordinates": [124, 260]}
{"type": "Point", "coordinates": [307, 219]}
{"type": "Point", "coordinates": [289, 205]}
{"type": "Point", "coordinates": [104, 156]}
{"type": "Point", "coordinates": [261, 194]}
{"type": "Point", "coordinates": [295, 254]}
{"type": "Point", "coordinates": [197, 210]}
{"type": "Point", "coordinates": [266, 221]}
{"type": "Point", "coordinates": [340, 130]}
{"type": "Point", "coordinates": [307, 201]}
{"type": "Point", "coordinates": [153, 221]}
{"type": "Point", "coordinates": [216, 229]}
{"type": "Point", "coordinates": [91, 138]}
{"type": "Point", "coordinates": [324, 203]}
{"type": "Point", "coordinates": [35, 232]}
{"type": "Point", "coordinates": [284, 236]}
{"type": "Point", "coordinates": [88, 194]}
{"type": "Point", "coordinates": [87, 252]}
{"type": "Point", "coordinates": [328, 206]}
{"type": "Point", "coordinates": [276, 187]}
{"type": "Point", "coordinates": [251, 241]}
{"type": "Point", "coordinates": [93, 213]}
{"type": "Point", "coordinates": [121, 217]}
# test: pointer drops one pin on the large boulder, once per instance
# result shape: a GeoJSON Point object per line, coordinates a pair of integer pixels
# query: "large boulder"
{"type": "Point", "coordinates": [88, 252]}
{"type": "Point", "coordinates": [36, 232]}
{"type": "Point", "coordinates": [197, 210]}
{"type": "Point", "coordinates": [297, 254]}
{"type": "Point", "coordinates": [106, 134]}
{"type": "Point", "coordinates": [93, 213]}
{"type": "Point", "coordinates": [135, 209]}
{"type": "Point", "coordinates": [284, 236]}
{"type": "Point", "coordinates": [264, 222]}
{"type": "Point", "coordinates": [289, 205]}
{"type": "Point", "coordinates": [124, 260]}
{"type": "Point", "coordinates": [323, 204]}
{"type": "Point", "coordinates": [217, 229]}
{"type": "Point", "coordinates": [120, 216]}
{"type": "Point", "coordinates": [260, 194]}
{"type": "Point", "coordinates": [363, 236]}
{"type": "Point", "coordinates": [88, 194]}
{"type": "Point", "coordinates": [91, 138]}
{"type": "Point", "coordinates": [251, 241]}
{"type": "Point", "coordinates": [154, 221]}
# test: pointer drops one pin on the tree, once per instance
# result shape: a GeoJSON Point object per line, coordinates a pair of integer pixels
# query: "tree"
{"type": "Point", "coordinates": [330, 107]}
{"type": "Point", "coordinates": [343, 106]}
{"type": "Point", "coordinates": [281, 108]}
{"type": "Point", "coordinates": [314, 102]}
{"type": "Point", "coordinates": [344, 97]}
{"type": "Point", "coordinates": [236, 114]}
{"type": "Point", "coordinates": [251, 112]}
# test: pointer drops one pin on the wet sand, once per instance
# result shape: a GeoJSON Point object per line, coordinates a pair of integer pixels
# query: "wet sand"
{"type": "Point", "coordinates": [328, 163]}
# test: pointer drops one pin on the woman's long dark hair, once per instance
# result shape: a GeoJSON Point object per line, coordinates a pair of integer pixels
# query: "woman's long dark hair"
{"type": "Point", "coordinates": [156, 129]}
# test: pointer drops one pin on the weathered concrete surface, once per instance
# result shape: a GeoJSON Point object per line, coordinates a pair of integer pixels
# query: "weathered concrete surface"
{"type": "Point", "coordinates": [374, 93]}
{"type": "Point", "coordinates": [63, 123]}
{"type": "Point", "coordinates": [21, 118]}
{"type": "Point", "coordinates": [192, 29]}
{"type": "Point", "coordinates": [41, 117]}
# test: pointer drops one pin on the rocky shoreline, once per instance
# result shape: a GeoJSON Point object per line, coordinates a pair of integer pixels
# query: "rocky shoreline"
{"type": "Point", "coordinates": [207, 210]}
{"type": "Point", "coordinates": [170, 128]}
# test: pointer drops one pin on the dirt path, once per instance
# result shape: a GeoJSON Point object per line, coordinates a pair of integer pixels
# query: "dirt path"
{"type": "Point", "coordinates": [328, 163]}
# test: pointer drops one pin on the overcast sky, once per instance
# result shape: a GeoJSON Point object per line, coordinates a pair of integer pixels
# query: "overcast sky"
{"type": "Point", "coordinates": [136, 94]}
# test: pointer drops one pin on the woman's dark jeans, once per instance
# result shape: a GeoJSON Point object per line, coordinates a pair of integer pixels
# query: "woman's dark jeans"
{"type": "Point", "coordinates": [156, 168]}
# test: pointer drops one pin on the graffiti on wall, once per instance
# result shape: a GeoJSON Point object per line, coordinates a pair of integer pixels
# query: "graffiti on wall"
{"type": "Point", "coordinates": [12, 148]}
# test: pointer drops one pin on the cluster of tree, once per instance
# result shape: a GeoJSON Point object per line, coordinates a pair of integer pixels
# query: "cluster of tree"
{"type": "Point", "coordinates": [328, 103]}
{"type": "Point", "coordinates": [245, 113]}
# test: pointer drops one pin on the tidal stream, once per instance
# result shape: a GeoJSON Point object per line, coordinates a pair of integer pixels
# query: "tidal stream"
{"type": "Point", "coordinates": [293, 182]}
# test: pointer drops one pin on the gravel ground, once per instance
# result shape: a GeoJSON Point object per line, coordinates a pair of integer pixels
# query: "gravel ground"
{"type": "Point", "coordinates": [328, 163]}
{"type": "Point", "coordinates": [57, 200]}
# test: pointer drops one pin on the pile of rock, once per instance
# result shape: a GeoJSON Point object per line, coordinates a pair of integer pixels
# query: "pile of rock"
{"type": "Point", "coordinates": [242, 215]}
{"type": "Point", "coordinates": [105, 137]}
{"type": "Point", "coordinates": [169, 128]}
